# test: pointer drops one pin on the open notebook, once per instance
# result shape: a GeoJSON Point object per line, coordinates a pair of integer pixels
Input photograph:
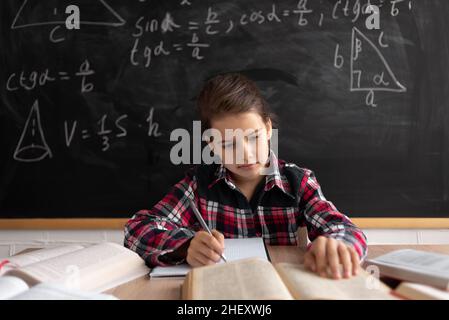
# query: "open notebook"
{"type": "Point", "coordinates": [235, 249]}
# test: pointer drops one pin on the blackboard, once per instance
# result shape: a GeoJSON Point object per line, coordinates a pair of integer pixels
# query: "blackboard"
{"type": "Point", "coordinates": [86, 115]}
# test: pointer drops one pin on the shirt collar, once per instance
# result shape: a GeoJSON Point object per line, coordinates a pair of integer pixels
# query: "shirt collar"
{"type": "Point", "coordinates": [222, 174]}
{"type": "Point", "coordinates": [273, 178]}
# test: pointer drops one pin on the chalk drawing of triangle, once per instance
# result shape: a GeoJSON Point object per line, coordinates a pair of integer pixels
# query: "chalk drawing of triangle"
{"type": "Point", "coordinates": [34, 13]}
{"type": "Point", "coordinates": [366, 56]}
{"type": "Point", "coordinates": [32, 146]}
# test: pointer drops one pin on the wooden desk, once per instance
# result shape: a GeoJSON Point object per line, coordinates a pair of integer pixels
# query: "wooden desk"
{"type": "Point", "coordinates": [170, 288]}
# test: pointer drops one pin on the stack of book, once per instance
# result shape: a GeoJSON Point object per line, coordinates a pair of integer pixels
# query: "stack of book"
{"type": "Point", "coordinates": [423, 275]}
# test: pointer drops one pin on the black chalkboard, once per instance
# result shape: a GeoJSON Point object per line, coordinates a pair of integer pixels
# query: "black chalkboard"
{"type": "Point", "coordinates": [86, 115]}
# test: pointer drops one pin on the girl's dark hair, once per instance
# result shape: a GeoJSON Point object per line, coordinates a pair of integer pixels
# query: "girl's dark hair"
{"type": "Point", "coordinates": [231, 93]}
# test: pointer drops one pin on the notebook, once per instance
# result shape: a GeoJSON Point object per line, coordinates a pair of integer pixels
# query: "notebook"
{"type": "Point", "coordinates": [235, 249]}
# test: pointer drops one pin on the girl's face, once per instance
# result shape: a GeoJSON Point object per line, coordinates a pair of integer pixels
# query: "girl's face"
{"type": "Point", "coordinates": [244, 144]}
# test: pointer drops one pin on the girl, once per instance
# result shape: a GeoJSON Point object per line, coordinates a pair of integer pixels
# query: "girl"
{"type": "Point", "coordinates": [244, 199]}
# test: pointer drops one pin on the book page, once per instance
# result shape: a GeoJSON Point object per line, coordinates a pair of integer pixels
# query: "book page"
{"type": "Point", "coordinates": [95, 268]}
{"type": "Point", "coordinates": [10, 286]}
{"type": "Point", "coordinates": [306, 285]}
{"type": "Point", "coordinates": [235, 249]}
{"type": "Point", "coordinates": [417, 291]}
{"type": "Point", "coordinates": [45, 291]}
{"type": "Point", "coordinates": [28, 258]}
{"type": "Point", "coordinates": [243, 279]}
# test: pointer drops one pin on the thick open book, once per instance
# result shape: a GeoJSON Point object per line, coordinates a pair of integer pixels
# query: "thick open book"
{"type": "Point", "coordinates": [94, 268]}
{"type": "Point", "coordinates": [414, 266]}
{"type": "Point", "coordinates": [235, 249]}
{"type": "Point", "coordinates": [259, 279]}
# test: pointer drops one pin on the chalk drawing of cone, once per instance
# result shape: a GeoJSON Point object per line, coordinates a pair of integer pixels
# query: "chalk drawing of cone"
{"type": "Point", "coordinates": [32, 146]}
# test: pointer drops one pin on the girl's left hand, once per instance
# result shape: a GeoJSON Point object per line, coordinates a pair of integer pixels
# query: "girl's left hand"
{"type": "Point", "coordinates": [326, 254]}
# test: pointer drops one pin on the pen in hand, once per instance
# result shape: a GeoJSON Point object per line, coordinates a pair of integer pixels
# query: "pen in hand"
{"type": "Point", "coordinates": [202, 222]}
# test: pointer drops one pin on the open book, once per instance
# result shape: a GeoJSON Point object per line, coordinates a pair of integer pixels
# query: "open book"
{"type": "Point", "coordinates": [94, 268]}
{"type": "Point", "coordinates": [235, 249]}
{"type": "Point", "coordinates": [259, 279]}
{"type": "Point", "coordinates": [13, 288]}
{"type": "Point", "coordinates": [415, 266]}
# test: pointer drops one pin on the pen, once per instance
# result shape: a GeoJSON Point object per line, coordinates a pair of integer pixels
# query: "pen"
{"type": "Point", "coordinates": [202, 222]}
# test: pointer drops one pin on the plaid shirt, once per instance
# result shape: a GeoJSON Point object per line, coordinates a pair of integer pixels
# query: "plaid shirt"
{"type": "Point", "coordinates": [289, 197]}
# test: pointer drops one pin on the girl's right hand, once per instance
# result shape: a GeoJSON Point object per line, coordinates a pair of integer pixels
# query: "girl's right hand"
{"type": "Point", "coordinates": [205, 249]}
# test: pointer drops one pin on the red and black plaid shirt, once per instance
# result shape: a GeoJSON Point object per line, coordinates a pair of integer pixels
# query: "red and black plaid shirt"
{"type": "Point", "coordinates": [288, 198]}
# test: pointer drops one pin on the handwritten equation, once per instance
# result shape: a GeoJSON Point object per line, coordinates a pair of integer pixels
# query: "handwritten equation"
{"type": "Point", "coordinates": [215, 24]}
{"type": "Point", "coordinates": [154, 37]}
{"type": "Point", "coordinates": [29, 81]}
{"type": "Point", "coordinates": [33, 146]}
